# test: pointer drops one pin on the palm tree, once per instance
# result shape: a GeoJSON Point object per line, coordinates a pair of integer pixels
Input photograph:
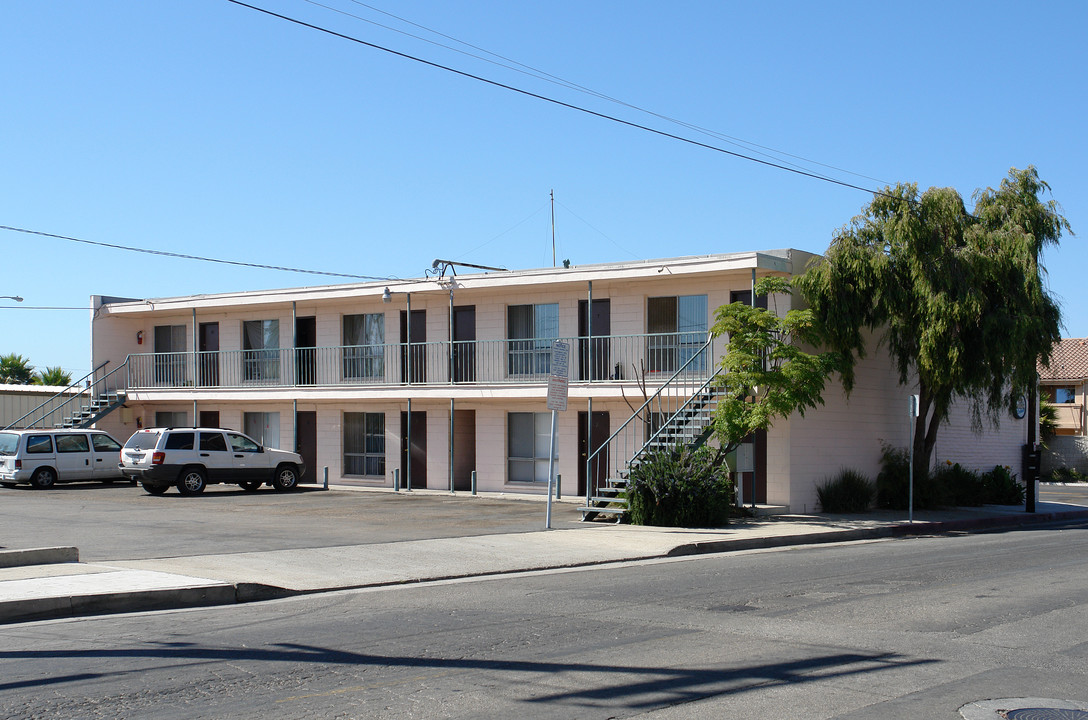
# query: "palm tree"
{"type": "Point", "coordinates": [53, 376]}
{"type": "Point", "coordinates": [15, 370]}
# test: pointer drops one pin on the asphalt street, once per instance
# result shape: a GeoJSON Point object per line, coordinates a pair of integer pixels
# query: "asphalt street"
{"type": "Point", "coordinates": [903, 628]}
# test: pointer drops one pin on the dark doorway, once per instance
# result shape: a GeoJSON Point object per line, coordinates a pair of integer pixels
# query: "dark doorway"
{"type": "Point", "coordinates": [754, 484]}
{"type": "Point", "coordinates": [209, 418]}
{"type": "Point", "coordinates": [599, 434]}
{"type": "Point", "coordinates": [209, 355]}
{"type": "Point", "coordinates": [413, 367]}
{"type": "Point", "coordinates": [305, 352]}
{"type": "Point", "coordinates": [306, 444]}
{"type": "Point", "coordinates": [463, 352]}
{"type": "Point", "coordinates": [593, 349]}
{"type": "Point", "coordinates": [464, 448]}
{"type": "Point", "coordinates": [418, 442]}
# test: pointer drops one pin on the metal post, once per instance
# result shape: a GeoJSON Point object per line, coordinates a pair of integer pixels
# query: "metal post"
{"type": "Point", "coordinates": [451, 446]}
{"type": "Point", "coordinates": [589, 452]}
{"type": "Point", "coordinates": [589, 334]}
{"type": "Point", "coordinates": [396, 479]}
{"type": "Point", "coordinates": [408, 428]}
{"type": "Point", "coordinates": [559, 486]}
{"type": "Point", "coordinates": [326, 474]}
{"type": "Point", "coordinates": [473, 482]}
{"type": "Point", "coordinates": [408, 366]}
{"type": "Point", "coordinates": [551, 468]}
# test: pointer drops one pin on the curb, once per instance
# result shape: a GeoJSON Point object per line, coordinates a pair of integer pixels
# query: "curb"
{"type": "Point", "coordinates": [52, 608]}
{"type": "Point", "coordinates": [903, 530]}
{"type": "Point", "coordinates": [38, 556]}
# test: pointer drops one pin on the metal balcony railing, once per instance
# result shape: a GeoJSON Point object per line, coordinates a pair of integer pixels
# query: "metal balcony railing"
{"type": "Point", "coordinates": [598, 359]}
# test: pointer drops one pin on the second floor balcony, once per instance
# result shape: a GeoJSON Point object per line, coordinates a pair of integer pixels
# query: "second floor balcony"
{"type": "Point", "coordinates": [617, 358]}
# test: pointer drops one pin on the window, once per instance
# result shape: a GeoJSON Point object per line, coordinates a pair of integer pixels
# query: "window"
{"type": "Point", "coordinates": [364, 444]}
{"type": "Point", "coordinates": [39, 444]}
{"type": "Point", "coordinates": [212, 442]}
{"type": "Point", "coordinates": [264, 427]}
{"type": "Point", "coordinates": [180, 441]}
{"type": "Point", "coordinates": [364, 347]}
{"type": "Point", "coordinates": [1067, 394]}
{"type": "Point", "coordinates": [528, 440]}
{"type": "Point", "coordinates": [72, 444]}
{"type": "Point", "coordinates": [240, 443]}
{"type": "Point", "coordinates": [104, 443]}
{"type": "Point", "coordinates": [165, 419]}
{"type": "Point", "coordinates": [261, 350]}
{"type": "Point", "coordinates": [531, 330]}
{"type": "Point", "coordinates": [678, 330]}
{"type": "Point", "coordinates": [170, 355]}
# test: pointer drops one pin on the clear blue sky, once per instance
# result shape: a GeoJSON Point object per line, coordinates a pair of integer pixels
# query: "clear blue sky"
{"type": "Point", "coordinates": [206, 128]}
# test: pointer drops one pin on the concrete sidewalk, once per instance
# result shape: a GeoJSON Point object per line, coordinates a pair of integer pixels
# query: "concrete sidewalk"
{"type": "Point", "coordinates": [44, 583]}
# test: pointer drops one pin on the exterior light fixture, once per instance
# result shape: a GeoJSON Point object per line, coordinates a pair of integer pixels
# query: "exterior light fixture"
{"type": "Point", "coordinates": [16, 298]}
{"type": "Point", "coordinates": [387, 296]}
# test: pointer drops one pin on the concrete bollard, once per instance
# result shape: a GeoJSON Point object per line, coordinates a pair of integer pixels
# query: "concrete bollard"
{"type": "Point", "coordinates": [473, 482]}
{"type": "Point", "coordinates": [558, 486]}
{"type": "Point", "coordinates": [326, 481]}
{"type": "Point", "coordinates": [396, 479]}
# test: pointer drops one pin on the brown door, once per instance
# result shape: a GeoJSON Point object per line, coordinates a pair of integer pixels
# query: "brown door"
{"type": "Point", "coordinates": [595, 359]}
{"type": "Point", "coordinates": [463, 352]}
{"type": "Point", "coordinates": [209, 418]}
{"type": "Point", "coordinates": [209, 355]}
{"type": "Point", "coordinates": [305, 354]}
{"type": "Point", "coordinates": [599, 433]}
{"type": "Point", "coordinates": [418, 443]}
{"type": "Point", "coordinates": [306, 444]}
{"type": "Point", "coordinates": [413, 368]}
{"type": "Point", "coordinates": [464, 448]}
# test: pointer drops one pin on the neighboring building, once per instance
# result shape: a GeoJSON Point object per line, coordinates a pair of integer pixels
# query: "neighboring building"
{"type": "Point", "coordinates": [1065, 384]}
{"type": "Point", "coordinates": [438, 377]}
{"type": "Point", "coordinates": [18, 403]}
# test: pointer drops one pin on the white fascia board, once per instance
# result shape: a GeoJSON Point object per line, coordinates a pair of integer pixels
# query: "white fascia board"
{"type": "Point", "coordinates": [773, 261]}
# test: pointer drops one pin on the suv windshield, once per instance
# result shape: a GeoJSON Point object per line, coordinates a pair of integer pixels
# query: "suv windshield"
{"type": "Point", "coordinates": [8, 443]}
{"type": "Point", "coordinates": [142, 441]}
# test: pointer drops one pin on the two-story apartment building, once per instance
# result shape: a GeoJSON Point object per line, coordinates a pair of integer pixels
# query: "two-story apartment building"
{"type": "Point", "coordinates": [1064, 383]}
{"type": "Point", "coordinates": [426, 381]}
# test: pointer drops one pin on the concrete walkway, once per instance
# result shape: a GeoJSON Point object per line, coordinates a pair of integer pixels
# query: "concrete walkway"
{"type": "Point", "coordinates": [44, 583]}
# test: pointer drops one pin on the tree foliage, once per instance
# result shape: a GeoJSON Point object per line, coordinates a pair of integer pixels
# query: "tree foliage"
{"type": "Point", "coordinates": [15, 370]}
{"type": "Point", "coordinates": [765, 371]}
{"type": "Point", "coordinates": [957, 298]}
{"type": "Point", "coordinates": [52, 376]}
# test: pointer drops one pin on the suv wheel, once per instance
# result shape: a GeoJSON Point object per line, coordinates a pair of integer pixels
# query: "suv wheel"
{"type": "Point", "coordinates": [286, 478]}
{"type": "Point", "coordinates": [191, 481]}
{"type": "Point", "coordinates": [43, 478]}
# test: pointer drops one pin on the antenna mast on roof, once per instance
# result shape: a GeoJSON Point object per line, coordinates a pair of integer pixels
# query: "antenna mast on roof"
{"type": "Point", "coordinates": [553, 227]}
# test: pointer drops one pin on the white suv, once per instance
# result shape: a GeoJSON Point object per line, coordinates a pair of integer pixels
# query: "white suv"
{"type": "Point", "coordinates": [190, 458]}
{"type": "Point", "coordinates": [46, 457]}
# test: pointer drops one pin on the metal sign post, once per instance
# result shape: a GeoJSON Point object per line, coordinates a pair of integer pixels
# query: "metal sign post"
{"type": "Point", "coordinates": [557, 401]}
{"type": "Point", "coordinates": [912, 413]}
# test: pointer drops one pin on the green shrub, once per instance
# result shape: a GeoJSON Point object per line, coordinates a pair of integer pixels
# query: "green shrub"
{"type": "Point", "coordinates": [1002, 487]}
{"type": "Point", "coordinates": [962, 487]}
{"type": "Point", "coordinates": [679, 487]}
{"type": "Point", "coordinates": [893, 483]}
{"type": "Point", "coordinates": [1066, 475]}
{"type": "Point", "coordinates": [847, 492]}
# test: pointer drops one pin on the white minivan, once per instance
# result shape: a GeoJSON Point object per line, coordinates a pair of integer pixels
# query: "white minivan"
{"type": "Point", "coordinates": [46, 457]}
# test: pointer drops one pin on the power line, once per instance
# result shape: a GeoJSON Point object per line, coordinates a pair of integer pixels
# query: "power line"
{"type": "Point", "coordinates": [164, 253]}
{"type": "Point", "coordinates": [554, 101]}
{"type": "Point", "coordinates": [531, 71]}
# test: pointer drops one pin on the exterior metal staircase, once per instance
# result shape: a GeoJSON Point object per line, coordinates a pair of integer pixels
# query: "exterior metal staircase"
{"type": "Point", "coordinates": [680, 412]}
{"type": "Point", "coordinates": [82, 403]}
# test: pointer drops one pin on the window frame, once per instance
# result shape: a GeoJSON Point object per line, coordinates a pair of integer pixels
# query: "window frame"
{"type": "Point", "coordinates": [530, 338]}
{"type": "Point", "coordinates": [371, 457]}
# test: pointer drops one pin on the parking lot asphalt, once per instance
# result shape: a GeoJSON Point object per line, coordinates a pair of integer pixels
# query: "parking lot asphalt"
{"type": "Point", "coordinates": [91, 549]}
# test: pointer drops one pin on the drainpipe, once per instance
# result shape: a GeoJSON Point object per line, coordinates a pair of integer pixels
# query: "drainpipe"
{"type": "Point", "coordinates": [451, 443]}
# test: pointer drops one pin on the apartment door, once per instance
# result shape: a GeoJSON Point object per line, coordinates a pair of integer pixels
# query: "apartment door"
{"type": "Point", "coordinates": [305, 354]}
{"type": "Point", "coordinates": [589, 439]}
{"type": "Point", "coordinates": [306, 444]}
{"type": "Point", "coordinates": [464, 448]}
{"type": "Point", "coordinates": [595, 358]}
{"type": "Point", "coordinates": [413, 367]}
{"type": "Point", "coordinates": [170, 355]}
{"type": "Point", "coordinates": [208, 366]}
{"type": "Point", "coordinates": [463, 352]}
{"type": "Point", "coordinates": [209, 418]}
{"type": "Point", "coordinates": [418, 444]}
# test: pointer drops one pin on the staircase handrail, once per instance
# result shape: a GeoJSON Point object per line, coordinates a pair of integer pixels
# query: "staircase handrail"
{"type": "Point", "coordinates": [668, 421]}
{"type": "Point", "coordinates": [77, 386]}
{"type": "Point", "coordinates": [695, 356]}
